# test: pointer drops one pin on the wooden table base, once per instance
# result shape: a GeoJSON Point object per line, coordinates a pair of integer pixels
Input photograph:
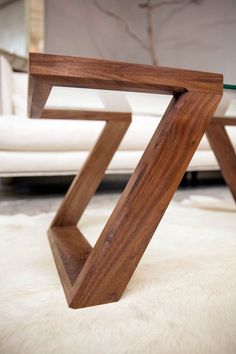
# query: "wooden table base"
{"type": "Point", "coordinates": [223, 149]}
{"type": "Point", "coordinates": [98, 275]}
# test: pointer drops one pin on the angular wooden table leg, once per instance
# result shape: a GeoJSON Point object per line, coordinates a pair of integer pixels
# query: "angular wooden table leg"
{"type": "Point", "coordinates": [223, 149]}
{"type": "Point", "coordinates": [70, 248]}
{"type": "Point", "coordinates": [98, 275]}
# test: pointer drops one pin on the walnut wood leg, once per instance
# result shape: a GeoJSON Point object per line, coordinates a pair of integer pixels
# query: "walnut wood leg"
{"type": "Point", "coordinates": [224, 151]}
{"type": "Point", "coordinates": [128, 231]}
{"type": "Point", "coordinates": [39, 90]}
{"type": "Point", "coordinates": [70, 248]}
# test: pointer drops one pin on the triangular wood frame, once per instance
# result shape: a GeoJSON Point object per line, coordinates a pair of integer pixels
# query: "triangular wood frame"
{"type": "Point", "coordinates": [98, 275]}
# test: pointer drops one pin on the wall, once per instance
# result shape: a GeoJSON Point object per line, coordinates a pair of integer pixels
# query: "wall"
{"type": "Point", "coordinates": [197, 36]}
{"type": "Point", "coordinates": [13, 28]}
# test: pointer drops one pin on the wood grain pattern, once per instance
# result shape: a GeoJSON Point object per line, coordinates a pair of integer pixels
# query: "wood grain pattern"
{"type": "Point", "coordinates": [144, 201]}
{"type": "Point", "coordinates": [113, 75]}
{"type": "Point", "coordinates": [110, 75]}
{"type": "Point", "coordinates": [224, 121]}
{"type": "Point", "coordinates": [75, 114]}
{"type": "Point", "coordinates": [38, 93]}
{"type": "Point", "coordinates": [223, 149]}
{"type": "Point", "coordinates": [70, 251]}
{"type": "Point", "coordinates": [92, 276]}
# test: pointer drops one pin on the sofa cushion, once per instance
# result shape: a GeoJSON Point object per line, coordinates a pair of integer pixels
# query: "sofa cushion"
{"type": "Point", "coordinates": [60, 97]}
{"type": "Point", "coordinates": [225, 103]}
{"type": "Point", "coordinates": [6, 78]}
{"type": "Point", "coordinates": [19, 133]}
{"type": "Point", "coordinates": [231, 110]}
{"type": "Point", "coordinates": [138, 103]}
{"type": "Point", "coordinates": [148, 104]}
{"type": "Point", "coordinates": [23, 163]}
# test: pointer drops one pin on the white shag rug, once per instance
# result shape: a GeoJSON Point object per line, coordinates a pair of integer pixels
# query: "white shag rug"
{"type": "Point", "coordinates": [181, 299]}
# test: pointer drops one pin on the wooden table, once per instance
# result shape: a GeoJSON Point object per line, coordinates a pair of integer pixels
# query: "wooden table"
{"type": "Point", "coordinates": [223, 149]}
{"type": "Point", "coordinates": [98, 275]}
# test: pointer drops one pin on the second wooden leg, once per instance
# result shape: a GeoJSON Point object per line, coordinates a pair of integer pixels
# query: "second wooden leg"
{"type": "Point", "coordinates": [224, 152]}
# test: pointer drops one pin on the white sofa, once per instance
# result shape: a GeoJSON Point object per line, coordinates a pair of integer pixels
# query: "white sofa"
{"type": "Point", "coordinates": [30, 147]}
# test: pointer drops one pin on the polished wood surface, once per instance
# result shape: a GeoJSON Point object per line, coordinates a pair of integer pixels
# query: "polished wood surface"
{"type": "Point", "coordinates": [223, 149]}
{"type": "Point", "coordinates": [38, 93]}
{"type": "Point", "coordinates": [92, 276]}
{"type": "Point", "coordinates": [74, 114]}
{"type": "Point", "coordinates": [70, 251]}
{"type": "Point", "coordinates": [60, 70]}
{"type": "Point", "coordinates": [144, 201]}
{"type": "Point", "coordinates": [224, 121]}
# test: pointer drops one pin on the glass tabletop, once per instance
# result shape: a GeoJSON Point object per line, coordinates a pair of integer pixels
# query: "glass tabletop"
{"type": "Point", "coordinates": [229, 87]}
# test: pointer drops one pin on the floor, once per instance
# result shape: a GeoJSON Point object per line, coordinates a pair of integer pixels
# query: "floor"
{"type": "Point", "coordinates": [32, 196]}
{"type": "Point", "coordinates": [181, 299]}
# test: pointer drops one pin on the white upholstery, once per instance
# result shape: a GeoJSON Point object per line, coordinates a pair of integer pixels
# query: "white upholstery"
{"type": "Point", "coordinates": [6, 78]}
{"type": "Point", "coordinates": [231, 109]}
{"type": "Point", "coordinates": [140, 103]}
{"type": "Point", "coordinates": [34, 146]}
{"type": "Point", "coordinates": [19, 133]}
{"type": "Point", "coordinates": [29, 163]}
